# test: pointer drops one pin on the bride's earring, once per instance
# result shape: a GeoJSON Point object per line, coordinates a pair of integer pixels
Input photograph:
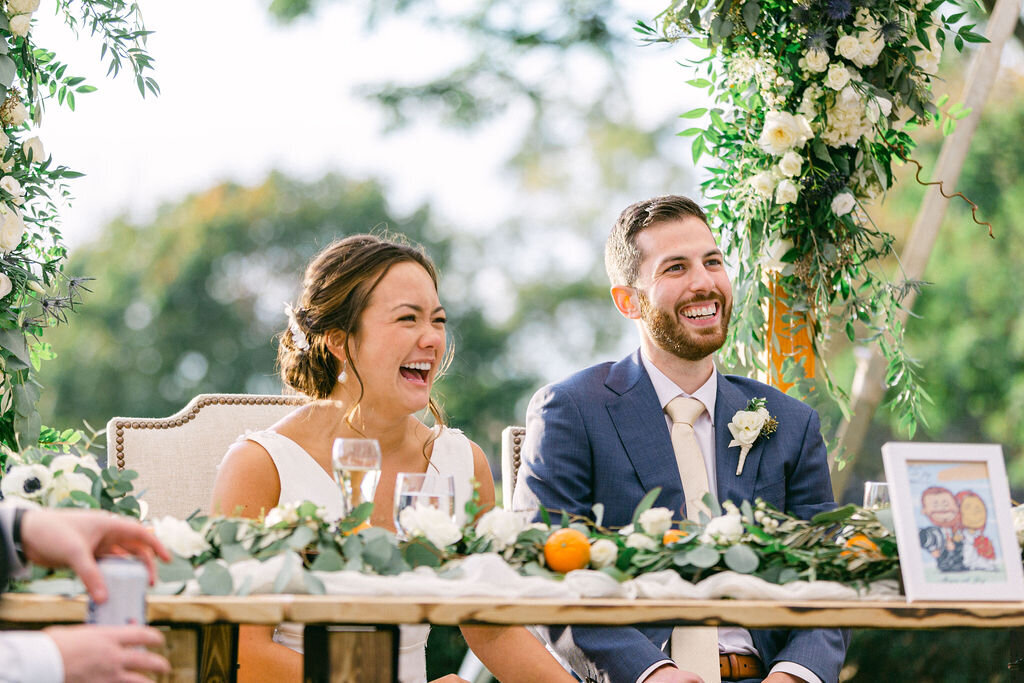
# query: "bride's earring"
{"type": "Point", "coordinates": [343, 375]}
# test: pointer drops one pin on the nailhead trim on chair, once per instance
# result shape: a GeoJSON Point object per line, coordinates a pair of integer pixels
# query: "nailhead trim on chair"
{"type": "Point", "coordinates": [518, 434]}
{"type": "Point", "coordinates": [189, 413]}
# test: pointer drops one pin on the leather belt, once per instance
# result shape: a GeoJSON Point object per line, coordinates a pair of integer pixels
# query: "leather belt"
{"type": "Point", "coordinates": [737, 667]}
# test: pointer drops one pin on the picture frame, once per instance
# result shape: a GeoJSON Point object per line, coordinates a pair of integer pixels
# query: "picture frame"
{"type": "Point", "coordinates": [954, 523]}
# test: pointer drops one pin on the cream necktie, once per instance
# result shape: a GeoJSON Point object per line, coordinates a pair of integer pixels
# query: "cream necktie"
{"type": "Point", "coordinates": [694, 648]}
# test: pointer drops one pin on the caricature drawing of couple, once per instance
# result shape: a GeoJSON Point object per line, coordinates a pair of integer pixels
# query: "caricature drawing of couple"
{"type": "Point", "coordinates": [956, 538]}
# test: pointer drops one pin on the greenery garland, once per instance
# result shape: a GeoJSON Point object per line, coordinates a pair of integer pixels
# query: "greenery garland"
{"type": "Point", "coordinates": [34, 292]}
{"type": "Point", "coordinates": [814, 101]}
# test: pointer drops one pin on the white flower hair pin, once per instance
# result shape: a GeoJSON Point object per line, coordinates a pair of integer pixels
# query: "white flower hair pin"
{"type": "Point", "coordinates": [749, 424]}
{"type": "Point", "coordinates": [299, 340]}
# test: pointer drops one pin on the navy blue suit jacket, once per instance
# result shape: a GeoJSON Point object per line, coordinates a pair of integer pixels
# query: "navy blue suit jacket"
{"type": "Point", "coordinates": [600, 437]}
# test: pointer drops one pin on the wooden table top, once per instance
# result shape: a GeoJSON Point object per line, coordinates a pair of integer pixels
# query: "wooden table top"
{"type": "Point", "coordinates": [273, 609]}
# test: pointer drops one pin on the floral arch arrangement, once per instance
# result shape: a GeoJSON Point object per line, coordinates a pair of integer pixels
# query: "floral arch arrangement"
{"type": "Point", "coordinates": [34, 293]}
{"type": "Point", "coordinates": [813, 102]}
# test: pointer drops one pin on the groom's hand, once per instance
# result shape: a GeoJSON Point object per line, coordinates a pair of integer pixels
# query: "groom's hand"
{"type": "Point", "coordinates": [670, 674]}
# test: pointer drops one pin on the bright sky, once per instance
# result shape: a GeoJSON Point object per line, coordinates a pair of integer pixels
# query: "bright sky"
{"type": "Point", "coordinates": [242, 95]}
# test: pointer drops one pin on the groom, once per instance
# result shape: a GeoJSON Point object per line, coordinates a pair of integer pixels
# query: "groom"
{"type": "Point", "coordinates": [603, 436]}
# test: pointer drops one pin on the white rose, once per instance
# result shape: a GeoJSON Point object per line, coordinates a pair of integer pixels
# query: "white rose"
{"type": "Point", "coordinates": [22, 6]}
{"type": "Point", "coordinates": [656, 521]}
{"type": "Point", "coordinates": [11, 186]}
{"type": "Point", "coordinates": [838, 76]}
{"type": "Point", "coordinates": [20, 25]}
{"type": "Point", "coordinates": [782, 131]}
{"type": "Point", "coordinates": [816, 60]}
{"type": "Point", "coordinates": [871, 46]}
{"type": "Point", "coordinates": [786, 192]}
{"type": "Point", "coordinates": [68, 463]}
{"type": "Point", "coordinates": [430, 523]}
{"type": "Point", "coordinates": [34, 147]}
{"type": "Point", "coordinates": [64, 483]}
{"type": "Point", "coordinates": [12, 227]}
{"type": "Point", "coordinates": [848, 47]}
{"type": "Point", "coordinates": [603, 553]}
{"type": "Point", "coordinates": [764, 184]}
{"type": "Point", "coordinates": [16, 114]}
{"type": "Point", "coordinates": [723, 530]}
{"type": "Point", "coordinates": [26, 481]}
{"type": "Point", "coordinates": [7, 166]}
{"type": "Point", "coordinates": [502, 527]}
{"type": "Point", "coordinates": [863, 18]}
{"type": "Point", "coordinates": [179, 537]}
{"type": "Point", "coordinates": [843, 203]}
{"type": "Point", "coordinates": [5, 285]}
{"type": "Point", "coordinates": [4, 141]}
{"type": "Point", "coordinates": [641, 542]}
{"type": "Point", "coordinates": [790, 164]}
{"type": "Point", "coordinates": [746, 426]}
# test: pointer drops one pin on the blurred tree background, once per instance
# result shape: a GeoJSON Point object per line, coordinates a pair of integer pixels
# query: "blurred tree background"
{"type": "Point", "coordinates": [190, 301]}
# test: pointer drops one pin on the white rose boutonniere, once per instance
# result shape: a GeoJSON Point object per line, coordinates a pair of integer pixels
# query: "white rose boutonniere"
{"type": "Point", "coordinates": [749, 424]}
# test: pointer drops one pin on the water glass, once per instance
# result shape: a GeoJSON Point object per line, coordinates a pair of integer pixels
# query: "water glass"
{"type": "Point", "coordinates": [356, 464]}
{"type": "Point", "coordinates": [876, 495]}
{"type": "Point", "coordinates": [416, 490]}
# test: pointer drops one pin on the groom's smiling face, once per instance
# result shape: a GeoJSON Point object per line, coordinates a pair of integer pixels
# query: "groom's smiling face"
{"type": "Point", "coordinates": [683, 290]}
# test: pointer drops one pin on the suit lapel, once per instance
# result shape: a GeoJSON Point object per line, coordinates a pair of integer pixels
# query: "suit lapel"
{"type": "Point", "coordinates": [731, 399]}
{"type": "Point", "coordinates": [637, 416]}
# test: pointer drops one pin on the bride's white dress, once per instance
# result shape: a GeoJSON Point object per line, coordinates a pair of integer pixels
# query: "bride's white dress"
{"type": "Point", "coordinates": [303, 479]}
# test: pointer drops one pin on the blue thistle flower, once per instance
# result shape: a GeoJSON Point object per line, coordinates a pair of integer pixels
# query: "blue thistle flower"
{"type": "Point", "coordinates": [837, 10]}
{"type": "Point", "coordinates": [817, 40]}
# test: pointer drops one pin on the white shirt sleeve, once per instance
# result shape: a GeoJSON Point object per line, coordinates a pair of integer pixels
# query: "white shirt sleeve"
{"type": "Point", "coordinates": [29, 657]}
{"type": "Point", "coordinates": [649, 670]}
{"type": "Point", "coordinates": [796, 670]}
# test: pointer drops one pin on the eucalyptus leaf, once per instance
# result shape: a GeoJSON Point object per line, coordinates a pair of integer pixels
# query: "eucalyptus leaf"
{"type": "Point", "coordinates": [233, 552]}
{"type": "Point", "coordinates": [285, 575]}
{"type": "Point", "coordinates": [327, 560]}
{"type": "Point", "coordinates": [378, 553]}
{"type": "Point", "coordinates": [215, 579]}
{"type": "Point", "coordinates": [301, 537]}
{"type": "Point", "coordinates": [312, 583]}
{"type": "Point", "coordinates": [703, 556]}
{"type": "Point", "coordinates": [420, 553]}
{"type": "Point", "coordinates": [352, 547]}
{"type": "Point", "coordinates": [751, 14]}
{"type": "Point", "coordinates": [8, 71]}
{"type": "Point", "coordinates": [62, 586]}
{"type": "Point", "coordinates": [837, 515]}
{"type": "Point", "coordinates": [741, 559]}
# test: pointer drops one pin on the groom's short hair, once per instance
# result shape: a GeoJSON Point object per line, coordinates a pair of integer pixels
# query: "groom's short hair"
{"type": "Point", "coordinates": [622, 256]}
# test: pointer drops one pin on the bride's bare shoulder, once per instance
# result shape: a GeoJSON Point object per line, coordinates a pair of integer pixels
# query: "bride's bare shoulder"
{"type": "Point", "coordinates": [308, 422]}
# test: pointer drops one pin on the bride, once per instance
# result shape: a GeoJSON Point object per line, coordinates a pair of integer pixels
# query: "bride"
{"type": "Point", "coordinates": [366, 342]}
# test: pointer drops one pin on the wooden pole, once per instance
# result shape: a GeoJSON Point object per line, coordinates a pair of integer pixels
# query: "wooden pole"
{"type": "Point", "coordinates": [869, 384]}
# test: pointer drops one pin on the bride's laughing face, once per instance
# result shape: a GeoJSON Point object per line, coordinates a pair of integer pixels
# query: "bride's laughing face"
{"type": "Point", "coordinates": [400, 342]}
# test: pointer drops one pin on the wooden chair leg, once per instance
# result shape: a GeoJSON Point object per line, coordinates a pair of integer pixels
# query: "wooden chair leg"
{"type": "Point", "coordinates": [181, 648]}
{"type": "Point", "coordinates": [350, 654]}
{"type": "Point", "coordinates": [219, 662]}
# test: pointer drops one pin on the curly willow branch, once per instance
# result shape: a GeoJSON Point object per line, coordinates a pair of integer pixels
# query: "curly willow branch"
{"type": "Point", "coordinates": [974, 207]}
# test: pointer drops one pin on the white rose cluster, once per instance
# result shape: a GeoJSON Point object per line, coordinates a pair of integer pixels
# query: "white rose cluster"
{"type": "Point", "coordinates": [846, 120]}
{"type": "Point", "coordinates": [641, 542]}
{"type": "Point", "coordinates": [179, 537]}
{"type": "Point", "coordinates": [815, 60]}
{"type": "Point", "coordinates": [501, 527]}
{"type": "Point", "coordinates": [656, 521]}
{"type": "Point", "coordinates": [19, 14]}
{"type": "Point", "coordinates": [843, 203]}
{"type": "Point", "coordinates": [1018, 524]}
{"type": "Point", "coordinates": [430, 523]}
{"type": "Point", "coordinates": [784, 131]}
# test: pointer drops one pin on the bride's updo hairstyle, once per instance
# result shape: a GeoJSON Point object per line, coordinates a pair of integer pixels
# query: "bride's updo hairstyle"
{"type": "Point", "coordinates": [335, 291]}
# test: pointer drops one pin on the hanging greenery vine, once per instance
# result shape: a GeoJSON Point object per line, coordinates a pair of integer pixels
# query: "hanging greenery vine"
{"type": "Point", "coordinates": [34, 292]}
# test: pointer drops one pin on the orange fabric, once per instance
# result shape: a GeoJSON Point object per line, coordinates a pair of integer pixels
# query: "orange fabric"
{"type": "Point", "coordinates": [786, 337]}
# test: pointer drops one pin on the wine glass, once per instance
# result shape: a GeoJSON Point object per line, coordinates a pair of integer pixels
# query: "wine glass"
{"type": "Point", "coordinates": [416, 490]}
{"type": "Point", "coordinates": [876, 495]}
{"type": "Point", "coordinates": [356, 464]}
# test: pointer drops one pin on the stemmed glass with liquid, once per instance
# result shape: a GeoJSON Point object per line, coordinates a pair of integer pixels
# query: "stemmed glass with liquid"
{"type": "Point", "coordinates": [416, 490]}
{"type": "Point", "coordinates": [356, 464]}
{"type": "Point", "coordinates": [876, 495]}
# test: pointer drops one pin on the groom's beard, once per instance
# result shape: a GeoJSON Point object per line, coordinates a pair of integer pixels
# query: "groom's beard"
{"type": "Point", "coordinates": [667, 332]}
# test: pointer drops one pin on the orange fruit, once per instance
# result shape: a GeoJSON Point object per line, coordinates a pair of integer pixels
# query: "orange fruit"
{"type": "Point", "coordinates": [566, 550]}
{"type": "Point", "coordinates": [857, 544]}
{"type": "Point", "coordinates": [671, 536]}
{"type": "Point", "coordinates": [364, 525]}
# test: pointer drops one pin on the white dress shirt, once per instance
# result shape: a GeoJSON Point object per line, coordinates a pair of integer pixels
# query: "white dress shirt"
{"type": "Point", "coordinates": [731, 639]}
{"type": "Point", "coordinates": [25, 656]}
